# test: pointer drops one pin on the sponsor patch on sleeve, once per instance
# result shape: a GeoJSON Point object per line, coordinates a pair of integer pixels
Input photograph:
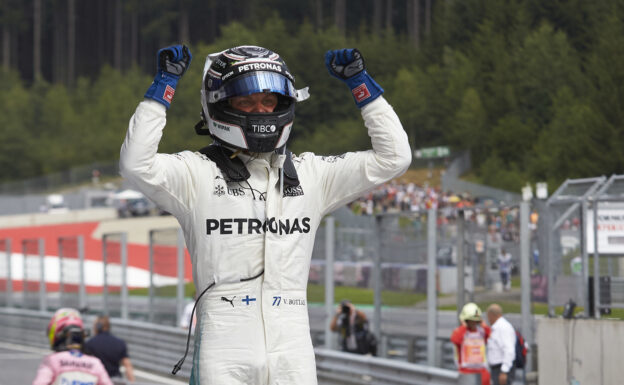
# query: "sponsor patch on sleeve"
{"type": "Point", "coordinates": [361, 92]}
{"type": "Point", "coordinates": [168, 94]}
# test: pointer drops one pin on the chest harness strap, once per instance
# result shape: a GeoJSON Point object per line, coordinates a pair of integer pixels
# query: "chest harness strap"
{"type": "Point", "coordinates": [234, 170]}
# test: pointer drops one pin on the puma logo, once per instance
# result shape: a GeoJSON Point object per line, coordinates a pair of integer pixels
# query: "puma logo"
{"type": "Point", "coordinates": [231, 301]}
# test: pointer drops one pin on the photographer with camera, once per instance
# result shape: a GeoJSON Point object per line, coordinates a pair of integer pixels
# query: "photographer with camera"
{"type": "Point", "coordinates": [352, 325]}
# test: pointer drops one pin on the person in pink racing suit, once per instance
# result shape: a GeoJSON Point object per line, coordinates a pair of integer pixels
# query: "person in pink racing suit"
{"type": "Point", "coordinates": [69, 365]}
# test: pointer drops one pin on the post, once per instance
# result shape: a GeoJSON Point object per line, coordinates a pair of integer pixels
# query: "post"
{"type": "Point", "coordinates": [596, 264]}
{"type": "Point", "coordinates": [584, 260]}
{"type": "Point", "coordinates": [486, 245]}
{"type": "Point", "coordinates": [9, 285]}
{"type": "Point", "coordinates": [61, 274]}
{"type": "Point", "coordinates": [525, 277]}
{"type": "Point", "coordinates": [431, 287]}
{"type": "Point", "coordinates": [461, 295]}
{"type": "Point", "coordinates": [82, 290]}
{"type": "Point", "coordinates": [329, 280]}
{"type": "Point", "coordinates": [181, 281]}
{"type": "Point", "coordinates": [124, 277]}
{"type": "Point", "coordinates": [24, 274]}
{"type": "Point", "coordinates": [550, 268]}
{"type": "Point", "coordinates": [104, 275]}
{"type": "Point", "coordinates": [43, 303]}
{"type": "Point", "coordinates": [150, 310]}
{"type": "Point", "coordinates": [377, 279]}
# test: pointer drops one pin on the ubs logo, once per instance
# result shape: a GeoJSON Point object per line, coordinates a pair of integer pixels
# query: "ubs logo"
{"type": "Point", "coordinates": [293, 191]}
{"type": "Point", "coordinates": [264, 128]}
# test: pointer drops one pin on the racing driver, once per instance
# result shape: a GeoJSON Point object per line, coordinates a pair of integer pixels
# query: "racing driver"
{"type": "Point", "coordinates": [249, 208]}
{"type": "Point", "coordinates": [68, 364]}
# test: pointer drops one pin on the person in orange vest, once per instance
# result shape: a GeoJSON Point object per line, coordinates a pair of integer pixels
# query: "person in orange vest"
{"type": "Point", "coordinates": [470, 339]}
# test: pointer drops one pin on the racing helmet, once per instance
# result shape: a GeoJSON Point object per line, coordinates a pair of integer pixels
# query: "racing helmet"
{"type": "Point", "coordinates": [241, 71]}
{"type": "Point", "coordinates": [65, 330]}
{"type": "Point", "coordinates": [470, 312]}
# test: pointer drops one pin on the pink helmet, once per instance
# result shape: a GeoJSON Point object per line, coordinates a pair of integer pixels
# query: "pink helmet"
{"type": "Point", "coordinates": [64, 321]}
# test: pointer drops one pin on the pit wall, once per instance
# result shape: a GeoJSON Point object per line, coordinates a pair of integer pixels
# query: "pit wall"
{"type": "Point", "coordinates": [580, 351]}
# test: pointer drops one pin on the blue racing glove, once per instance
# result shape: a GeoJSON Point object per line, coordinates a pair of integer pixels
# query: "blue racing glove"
{"type": "Point", "coordinates": [347, 64]}
{"type": "Point", "coordinates": [172, 63]}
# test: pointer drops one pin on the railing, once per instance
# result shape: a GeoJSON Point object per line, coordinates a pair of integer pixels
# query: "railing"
{"type": "Point", "coordinates": [333, 367]}
{"type": "Point", "coordinates": [157, 348]}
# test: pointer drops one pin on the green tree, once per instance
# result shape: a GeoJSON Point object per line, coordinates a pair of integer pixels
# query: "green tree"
{"type": "Point", "coordinates": [578, 142]}
{"type": "Point", "coordinates": [19, 145]}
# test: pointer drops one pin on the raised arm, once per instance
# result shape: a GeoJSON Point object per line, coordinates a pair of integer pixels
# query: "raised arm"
{"type": "Point", "coordinates": [348, 176]}
{"type": "Point", "coordinates": [164, 178]}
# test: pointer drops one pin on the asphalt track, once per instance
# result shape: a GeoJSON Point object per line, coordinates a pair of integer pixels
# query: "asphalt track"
{"type": "Point", "coordinates": [18, 365]}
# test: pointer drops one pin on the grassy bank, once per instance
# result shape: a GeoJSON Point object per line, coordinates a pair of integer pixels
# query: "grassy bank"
{"type": "Point", "coordinates": [365, 296]}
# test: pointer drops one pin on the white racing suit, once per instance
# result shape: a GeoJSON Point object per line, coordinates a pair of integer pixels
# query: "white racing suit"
{"type": "Point", "coordinates": [256, 331]}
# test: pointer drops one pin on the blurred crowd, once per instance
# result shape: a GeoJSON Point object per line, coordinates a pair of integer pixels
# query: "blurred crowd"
{"type": "Point", "coordinates": [396, 197]}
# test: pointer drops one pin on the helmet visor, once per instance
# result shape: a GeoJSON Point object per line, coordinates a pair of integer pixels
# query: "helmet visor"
{"type": "Point", "coordinates": [259, 81]}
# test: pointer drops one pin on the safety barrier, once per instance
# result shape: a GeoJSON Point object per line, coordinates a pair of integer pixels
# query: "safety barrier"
{"type": "Point", "coordinates": [338, 368]}
{"type": "Point", "coordinates": [157, 348]}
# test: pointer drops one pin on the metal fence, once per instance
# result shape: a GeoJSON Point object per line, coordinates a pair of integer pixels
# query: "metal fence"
{"type": "Point", "coordinates": [582, 238]}
{"type": "Point", "coordinates": [607, 291]}
{"type": "Point", "coordinates": [157, 348]}
{"type": "Point", "coordinates": [115, 273]}
{"type": "Point", "coordinates": [411, 263]}
{"type": "Point", "coordinates": [34, 293]}
{"type": "Point", "coordinates": [402, 258]}
{"type": "Point", "coordinates": [405, 258]}
{"type": "Point", "coordinates": [72, 287]}
{"type": "Point", "coordinates": [166, 267]}
{"type": "Point", "coordinates": [6, 276]}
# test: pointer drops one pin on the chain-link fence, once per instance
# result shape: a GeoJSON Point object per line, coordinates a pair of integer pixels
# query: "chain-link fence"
{"type": "Point", "coordinates": [33, 282]}
{"type": "Point", "coordinates": [400, 258]}
{"type": "Point", "coordinates": [580, 214]}
{"type": "Point", "coordinates": [72, 288]}
{"type": "Point", "coordinates": [397, 259]}
{"type": "Point", "coordinates": [115, 268]}
{"type": "Point", "coordinates": [6, 276]}
{"type": "Point", "coordinates": [387, 264]}
{"type": "Point", "coordinates": [605, 244]}
{"type": "Point", "coordinates": [166, 267]}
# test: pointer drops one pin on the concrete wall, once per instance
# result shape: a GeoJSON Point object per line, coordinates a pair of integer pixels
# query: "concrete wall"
{"type": "Point", "coordinates": [587, 351]}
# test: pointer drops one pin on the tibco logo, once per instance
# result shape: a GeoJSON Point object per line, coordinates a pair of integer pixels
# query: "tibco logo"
{"type": "Point", "coordinates": [263, 128]}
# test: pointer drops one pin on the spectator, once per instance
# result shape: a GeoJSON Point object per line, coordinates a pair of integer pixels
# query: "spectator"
{"type": "Point", "coordinates": [501, 346]}
{"type": "Point", "coordinates": [112, 351]}
{"type": "Point", "coordinates": [352, 325]}
{"type": "Point", "coordinates": [69, 365]}
{"type": "Point", "coordinates": [470, 339]}
{"type": "Point", "coordinates": [504, 266]}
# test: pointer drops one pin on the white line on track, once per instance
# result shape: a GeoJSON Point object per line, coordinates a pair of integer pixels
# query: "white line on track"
{"type": "Point", "coordinates": [13, 356]}
{"type": "Point", "coordinates": [29, 349]}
